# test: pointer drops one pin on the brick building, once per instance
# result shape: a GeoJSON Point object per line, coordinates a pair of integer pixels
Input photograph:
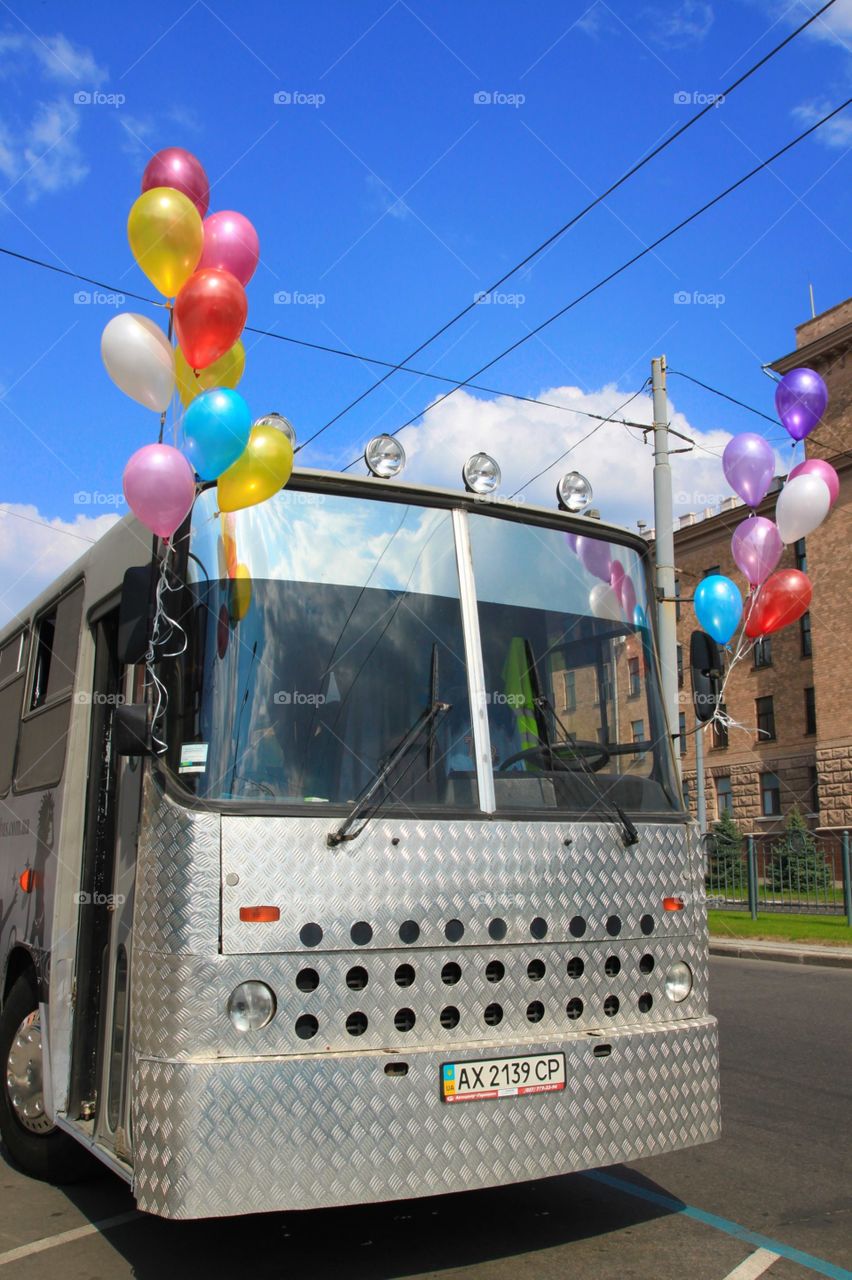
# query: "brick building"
{"type": "Point", "coordinates": [797, 685]}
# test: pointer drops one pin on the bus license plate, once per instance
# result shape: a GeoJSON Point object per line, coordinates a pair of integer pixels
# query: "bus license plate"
{"type": "Point", "coordinates": [502, 1077]}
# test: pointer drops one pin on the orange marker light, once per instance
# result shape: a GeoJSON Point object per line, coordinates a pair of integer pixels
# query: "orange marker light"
{"type": "Point", "coordinates": [260, 915]}
{"type": "Point", "coordinates": [27, 880]}
{"type": "Point", "coordinates": [673, 904]}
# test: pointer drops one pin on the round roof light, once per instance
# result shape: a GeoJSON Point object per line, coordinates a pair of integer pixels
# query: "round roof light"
{"type": "Point", "coordinates": [385, 457]}
{"type": "Point", "coordinates": [574, 493]}
{"type": "Point", "coordinates": [481, 474]}
{"type": "Point", "coordinates": [280, 423]}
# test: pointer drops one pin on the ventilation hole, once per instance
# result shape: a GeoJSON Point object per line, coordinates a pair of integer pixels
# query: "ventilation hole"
{"type": "Point", "coordinates": [575, 967]}
{"type": "Point", "coordinates": [574, 1008]}
{"type": "Point", "coordinates": [494, 971]}
{"type": "Point", "coordinates": [361, 933]}
{"type": "Point", "coordinates": [449, 1017]}
{"type": "Point", "coordinates": [645, 1002]}
{"type": "Point", "coordinates": [535, 1011]}
{"type": "Point", "coordinates": [646, 964]}
{"type": "Point", "coordinates": [493, 1014]}
{"type": "Point", "coordinates": [409, 931]}
{"type": "Point", "coordinates": [611, 1006]}
{"type": "Point", "coordinates": [497, 929]}
{"type": "Point", "coordinates": [306, 1026]}
{"type": "Point", "coordinates": [612, 966]}
{"type": "Point", "coordinates": [396, 1069]}
{"type": "Point", "coordinates": [538, 928]}
{"type": "Point", "coordinates": [450, 974]}
{"type": "Point", "coordinates": [646, 924]}
{"type": "Point", "coordinates": [577, 927]}
{"type": "Point", "coordinates": [536, 970]}
{"type": "Point", "coordinates": [356, 979]}
{"type": "Point", "coordinates": [453, 930]}
{"type": "Point", "coordinates": [356, 1024]}
{"type": "Point", "coordinates": [307, 979]}
{"type": "Point", "coordinates": [613, 926]}
{"type": "Point", "coordinates": [404, 976]}
{"type": "Point", "coordinates": [404, 1019]}
{"type": "Point", "coordinates": [310, 935]}
{"type": "Point", "coordinates": [600, 1051]}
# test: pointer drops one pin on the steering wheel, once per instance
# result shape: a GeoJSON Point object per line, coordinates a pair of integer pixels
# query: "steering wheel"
{"type": "Point", "coordinates": [594, 756]}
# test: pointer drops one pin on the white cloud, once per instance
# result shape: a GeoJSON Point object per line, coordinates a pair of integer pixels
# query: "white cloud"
{"type": "Point", "coordinates": [33, 553]}
{"type": "Point", "coordinates": [837, 133]}
{"type": "Point", "coordinates": [65, 61]}
{"type": "Point", "coordinates": [51, 156]}
{"type": "Point", "coordinates": [685, 23]}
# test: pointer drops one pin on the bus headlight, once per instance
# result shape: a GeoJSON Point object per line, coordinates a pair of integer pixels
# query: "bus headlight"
{"type": "Point", "coordinates": [251, 1006]}
{"type": "Point", "coordinates": [678, 981]}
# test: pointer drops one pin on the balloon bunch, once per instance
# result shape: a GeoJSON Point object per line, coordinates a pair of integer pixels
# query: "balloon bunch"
{"type": "Point", "coordinates": [614, 597]}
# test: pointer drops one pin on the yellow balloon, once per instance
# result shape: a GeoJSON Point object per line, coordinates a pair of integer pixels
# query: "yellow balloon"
{"type": "Point", "coordinates": [239, 594]}
{"type": "Point", "coordinates": [166, 237]}
{"type": "Point", "coordinates": [262, 469]}
{"type": "Point", "coordinates": [224, 372]}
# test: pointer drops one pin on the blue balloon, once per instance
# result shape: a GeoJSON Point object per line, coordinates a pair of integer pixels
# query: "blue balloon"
{"type": "Point", "coordinates": [639, 619]}
{"type": "Point", "coordinates": [718, 606]}
{"type": "Point", "coordinates": [216, 428]}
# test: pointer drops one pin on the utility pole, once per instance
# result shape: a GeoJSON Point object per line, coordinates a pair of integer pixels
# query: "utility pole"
{"type": "Point", "coordinates": [664, 548]}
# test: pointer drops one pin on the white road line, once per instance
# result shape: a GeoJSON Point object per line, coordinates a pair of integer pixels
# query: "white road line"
{"type": "Point", "coordinates": [753, 1266]}
{"type": "Point", "coordinates": [66, 1237]}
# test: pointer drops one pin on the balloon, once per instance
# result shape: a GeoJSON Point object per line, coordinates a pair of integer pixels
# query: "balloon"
{"type": "Point", "coordinates": [802, 506]}
{"type": "Point", "coordinates": [159, 487]}
{"type": "Point", "coordinates": [627, 595]}
{"type": "Point", "coordinates": [604, 603]}
{"type": "Point", "coordinates": [825, 471]}
{"type": "Point", "coordinates": [174, 167]}
{"type": "Point", "coordinates": [571, 539]}
{"type": "Point", "coordinates": [756, 547]}
{"type": "Point", "coordinates": [800, 398]}
{"type": "Point", "coordinates": [749, 465]}
{"type": "Point", "coordinates": [782, 599]}
{"type": "Point", "coordinates": [210, 312]}
{"type": "Point", "coordinates": [224, 372]}
{"type": "Point", "coordinates": [239, 594]}
{"type": "Point", "coordinates": [166, 238]}
{"type": "Point", "coordinates": [718, 606]}
{"type": "Point", "coordinates": [229, 544]}
{"type": "Point", "coordinates": [594, 556]}
{"type": "Point", "coordinates": [140, 360]}
{"type": "Point", "coordinates": [231, 243]}
{"type": "Point", "coordinates": [639, 619]}
{"type": "Point", "coordinates": [260, 471]}
{"type": "Point", "coordinates": [616, 573]}
{"type": "Point", "coordinates": [215, 430]}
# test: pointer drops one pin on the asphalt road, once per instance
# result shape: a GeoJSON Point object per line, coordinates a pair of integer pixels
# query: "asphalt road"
{"type": "Point", "coordinates": [782, 1170]}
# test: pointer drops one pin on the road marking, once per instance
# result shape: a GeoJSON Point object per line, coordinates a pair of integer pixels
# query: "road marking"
{"type": "Point", "coordinates": [754, 1265]}
{"type": "Point", "coordinates": [66, 1237]}
{"type": "Point", "coordinates": [819, 1265]}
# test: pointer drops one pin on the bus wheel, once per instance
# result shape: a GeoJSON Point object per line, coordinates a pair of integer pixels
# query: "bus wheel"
{"type": "Point", "coordinates": [33, 1142]}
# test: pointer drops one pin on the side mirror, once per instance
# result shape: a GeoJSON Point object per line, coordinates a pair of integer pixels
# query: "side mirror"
{"type": "Point", "coordinates": [137, 595]}
{"type": "Point", "coordinates": [131, 735]}
{"type": "Point", "coordinates": [706, 663]}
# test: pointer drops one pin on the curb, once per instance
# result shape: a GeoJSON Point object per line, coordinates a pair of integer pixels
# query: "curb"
{"type": "Point", "coordinates": [743, 949]}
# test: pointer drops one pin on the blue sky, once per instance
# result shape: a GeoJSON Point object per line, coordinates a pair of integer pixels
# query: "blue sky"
{"type": "Point", "coordinates": [385, 195]}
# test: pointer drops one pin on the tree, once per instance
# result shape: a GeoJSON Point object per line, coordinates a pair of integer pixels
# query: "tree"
{"type": "Point", "coordinates": [726, 868]}
{"type": "Point", "coordinates": [797, 865]}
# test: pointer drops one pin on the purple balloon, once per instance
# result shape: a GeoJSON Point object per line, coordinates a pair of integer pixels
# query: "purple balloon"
{"type": "Point", "coordinates": [756, 547]}
{"type": "Point", "coordinates": [825, 471]}
{"type": "Point", "coordinates": [800, 398]}
{"type": "Point", "coordinates": [749, 465]}
{"type": "Point", "coordinates": [159, 485]}
{"type": "Point", "coordinates": [571, 539]}
{"type": "Point", "coordinates": [627, 595]}
{"type": "Point", "coordinates": [594, 556]}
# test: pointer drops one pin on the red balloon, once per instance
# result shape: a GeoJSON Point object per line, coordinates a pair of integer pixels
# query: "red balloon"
{"type": "Point", "coordinates": [210, 313]}
{"type": "Point", "coordinates": [782, 599]}
{"type": "Point", "coordinates": [174, 167]}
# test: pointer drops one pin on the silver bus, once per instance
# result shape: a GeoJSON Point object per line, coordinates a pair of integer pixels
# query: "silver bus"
{"type": "Point", "coordinates": [382, 888]}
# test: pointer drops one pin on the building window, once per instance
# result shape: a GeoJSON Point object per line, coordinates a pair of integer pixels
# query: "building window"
{"type": "Point", "coordinates": [677, 599]}
{"type": "Point", "coordinates": [569, 691]}
{"type": "Point", "coordinates": [720, 729]}
{"type": "Point", "coordinates": [805, 633]}
{"type": "Point", "coordinates": [765, 708]}
{"type": "Point", "coordinates": [801, 555]}
{"type": "Point", "coordinates": [770, 795]}
{"type": "Point", "coordinates": [634, 678]}
{"type": "Point", "coordinates": [810, 710]}
{"type": "Point", "coordinates": [763, 653]}
{"type": "Point", "coordinates": [638, 729]}
{"type": "Point", "coordinates": [813, 789]}
{"type": "Point", "coordinates": [680, 666]}
{"type": "Point", "coordinates": [724, 796]}
{"type": "Point", "coordinates": [681, 725]}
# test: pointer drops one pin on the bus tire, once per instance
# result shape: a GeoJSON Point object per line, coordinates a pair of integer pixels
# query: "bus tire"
{"type": "Point", "coordinates": [39, 1148]}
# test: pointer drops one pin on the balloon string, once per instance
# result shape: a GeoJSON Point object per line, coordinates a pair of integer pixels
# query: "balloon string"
{"type": "Point", "coordinates": [743, 647]}
{"type": "Point", "coordinates": [166, 631]}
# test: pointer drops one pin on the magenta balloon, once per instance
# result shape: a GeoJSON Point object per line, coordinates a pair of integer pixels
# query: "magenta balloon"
{"type": "Point", "coordinates": [800, 398]}
{"type": "Point", "coordinates": [159, 485]}
{"type": "Point", "coordinates": [756, 547]}
{"type": "Point", "coordinates": [627, 594]}
{"type": "Point", "coordinates": [174, 167]}
{"type": "Point", "coordinates": [825, 471]}
{"type": "Point", "coordinates": [616, 573]}
{"type": "Point", "coordinates": [749, 465]}
{"type": "Point", "coordinates": [594, 556]}
{"type": "Point", "coordinates": [231, 244]}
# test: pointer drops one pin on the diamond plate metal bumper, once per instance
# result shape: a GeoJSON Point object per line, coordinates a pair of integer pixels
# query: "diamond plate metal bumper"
{"type": "Point", "coordinates": [275, 1133]}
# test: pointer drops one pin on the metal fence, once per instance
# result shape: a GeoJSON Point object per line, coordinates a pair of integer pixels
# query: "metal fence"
{"type": "Point", "coordinates": [793, 872]}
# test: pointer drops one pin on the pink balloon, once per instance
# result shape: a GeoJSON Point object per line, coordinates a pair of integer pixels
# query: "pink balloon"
{"type": "Point", "coordinates": [627, 595]}
{"type": "Point", "coordinates": [825, 471]}
{"type": "Point", "coordinates": [174, 167]}
{"type": "Point", "coordinates": [231, 244]}
{"type": "Point", "coordinates": [616, 573]}
{"type": "Point", "coordinates": [756, 546]}
{"type": "Point", "coordinates": [159, 485]}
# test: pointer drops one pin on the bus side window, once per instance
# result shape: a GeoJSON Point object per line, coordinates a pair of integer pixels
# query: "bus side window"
{"type": "Point", "coordinates": [41, 748]}
{"type": "Point", "coordinates": [13, 657]}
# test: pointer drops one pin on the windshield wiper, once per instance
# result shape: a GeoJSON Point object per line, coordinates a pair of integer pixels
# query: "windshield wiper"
{"type": "Point", "coordinates": [367, 803]}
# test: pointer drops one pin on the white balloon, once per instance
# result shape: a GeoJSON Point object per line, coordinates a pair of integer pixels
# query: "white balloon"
{"type": "Point", "coordinates": [604, 603]}
{"type": "Point", "coordinates": [140, 360]}
{"type": "Point", "coordinates": [802, 506]}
